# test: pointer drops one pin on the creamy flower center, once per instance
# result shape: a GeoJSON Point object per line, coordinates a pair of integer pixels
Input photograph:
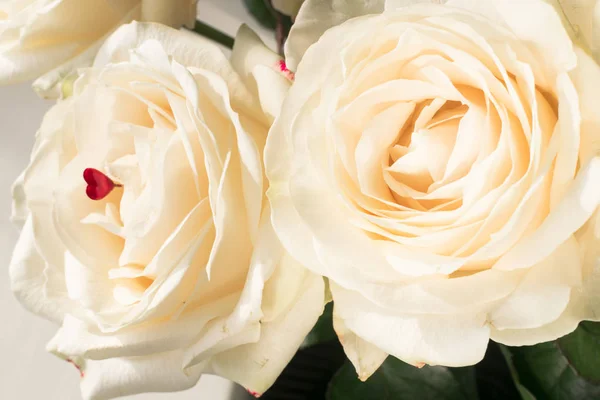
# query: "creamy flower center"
{"type": "Point", "coordinates": [140, 219]}
{"type": "Point", "coordinates": [441, 146]}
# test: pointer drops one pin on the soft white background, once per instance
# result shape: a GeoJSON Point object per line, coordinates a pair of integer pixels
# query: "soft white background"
{"type": "Point", "coordinates": [27, 372]}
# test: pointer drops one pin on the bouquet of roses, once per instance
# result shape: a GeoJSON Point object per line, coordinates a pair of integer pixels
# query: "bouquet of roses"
{"type": "Point", "coordinates": [407, 178]}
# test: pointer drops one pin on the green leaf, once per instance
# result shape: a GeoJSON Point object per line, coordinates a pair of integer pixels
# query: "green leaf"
{"type": "Point", "coordinates": [214, 34]}
{"type": "Point", "coordinates": [582, 349]}
{"type": "Point", "coordinates": [494, 378]}
{"type": "Point", "coordinates": [262, 12]}
{"type": "Point", "coordinates": [307, 375]}
{"type": "Point", "coordinates": [566, 369]}
{"type": "Point", "coordinates": [396, 380]}
{"type": "Point", "coordinates": [525, 394]}
{"type": "Point", "coordinates": [323, 330]}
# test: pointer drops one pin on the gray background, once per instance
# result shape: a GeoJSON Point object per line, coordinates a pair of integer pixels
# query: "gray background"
{"type": "Point", "coordinates": [27, 372]}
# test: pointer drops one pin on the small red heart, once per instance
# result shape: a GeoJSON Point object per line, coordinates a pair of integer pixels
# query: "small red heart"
{"type": "Point", "coordinates": [99, 185]}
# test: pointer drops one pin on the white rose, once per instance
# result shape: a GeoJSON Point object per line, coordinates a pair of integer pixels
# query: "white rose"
{"type": "Point", "coordinates": [175, 271]}
{"type": "Point", "coordinates": [55, 36]}
{"type": "Point", "coordinates": [440, 164]}
{"type": "Point", "coordinates": [288, 7]}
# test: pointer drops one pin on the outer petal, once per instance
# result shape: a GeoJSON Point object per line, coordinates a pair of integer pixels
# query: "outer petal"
{"type": "Point", "coordinates": [272, 89]}
{"type": "Point", "coordinates": [257, 365]}
{"type": "Point", "coordinates": [365, 357]}
{"type": "Point", "coordinates": [290, 303]}
{"type": "Point", "coordinates": [36, 183]}
{"type": "Point", "coordinates": [19, 212]}
{"type": "Point", "coordinates": [36, 268]}
{"type": "Point", "coordinates": [170, 12]}
{"type": "Point", "coordinates": [544, 292]}
{"type": "Point", "coordinates": [32, 282]}
{"type": "Point", "coordinates": [242, 326]}
{"type": "Point", "coordinates": [75, 340]}
{"type": "Point", "coordinates": [118, 377]}
{"type": "Point", "coordinates": [586, 79]}
{"type": "Point", "coordinates": [262, 70]}
{"type": "Point", "coordinates": [570, 214]}
{"type": "Point", "coordinates": [176, 44]}
{"type": "Point", "coordinates": [414, 338]}
{"type": "Point", "coordinates": [187, 48]}
{"type": "Point", "coordinates": [587, 298]}
{"type": "Point", "coordinates": [563, 325]}
{"type": "Point", "coordinates": [534, 22]}
{"type": "Point", "coordinates": [317, 16]}
{"type": "Point", "coordinates": [249, 51]}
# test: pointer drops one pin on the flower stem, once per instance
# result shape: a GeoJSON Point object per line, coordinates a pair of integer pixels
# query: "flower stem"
{"type": "Point", "coordinates": [214, 34]}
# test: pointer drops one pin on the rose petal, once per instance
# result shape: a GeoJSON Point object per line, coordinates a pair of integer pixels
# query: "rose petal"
{"type": "Point", "coordinates": [249, 51]}
{"type": "Point", "coordinates": [586, 79]}
{"type": "Point", "coordinates": [256, 366]}
{"type": "Point", "coordinates": [74, 338]}
{"type": "Point", "coordinates": [36, 284]}
{"type": "Point", "coordinates": [566, 323]}
{"type": "Point", "coordinates": [414, 338]}
{"type": "Point", "coordinates": [315, 17]}
{"type": "Point", "coordinates": [535, 22]}
{"type": "Point", "coordinates": [576, 207]}
{"type": "Point", "coordinates": [116, 377]}
{"type": "Point", "coordinates": [242, 325]}
{"type": "Point", "coordinates": [365, 357]}
{"type": "Point", "coordinates": [544, 292]}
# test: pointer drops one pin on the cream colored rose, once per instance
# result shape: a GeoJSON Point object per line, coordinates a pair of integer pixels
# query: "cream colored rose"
{"type": "Point", "coordinates": [176, 271]}
{"type": "Point", "coordinates": [55, 36]}
{"type": "Point", "coordinates": [440, 164]}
